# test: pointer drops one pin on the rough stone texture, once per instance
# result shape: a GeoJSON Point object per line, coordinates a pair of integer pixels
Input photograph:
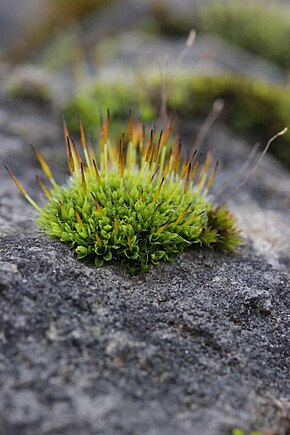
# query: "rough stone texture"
{"type": "Point", "coordinates": [196, 347]}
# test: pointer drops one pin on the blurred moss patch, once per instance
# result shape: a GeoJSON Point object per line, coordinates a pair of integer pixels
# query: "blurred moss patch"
{"type": "Point", "coordinates": [28, 82]}
{"type": "Point", "coordinates": [119, 97]}
{"type": "Point", "coordinates": [238, 431]}
{"type": "Point", "coordinates": [261, 27]}
{"type": "Point", "coordinates": [252, 108]}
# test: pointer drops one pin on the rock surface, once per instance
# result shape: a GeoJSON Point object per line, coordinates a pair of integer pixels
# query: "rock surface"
{"type": "Point", "coordinates": [196, 347]}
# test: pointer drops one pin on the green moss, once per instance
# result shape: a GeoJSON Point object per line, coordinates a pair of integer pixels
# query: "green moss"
{"type": "Point", "coordinates": [61, 52]}
{"type": "Point", "coordinates": [39, 94]}
{"type": "Point", "coordinates": [238, 431]}
{"type": "Point", "coordinates": [55, 16]}
{"type": "Point", "coordinates": [252, 108]}
{"type": "Point", "coordinates": [260, 27]}
{"type": "Point", "coordinates": [118, 96]}
{"type": "Point", "coordinates": [29, 83]}
{"type": "Point", "coordinates": [136, 206]}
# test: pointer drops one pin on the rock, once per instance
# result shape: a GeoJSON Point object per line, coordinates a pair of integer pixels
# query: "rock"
{"type": "Point", "coordinates": [196, 347]}
{"type": "Point", "coordinates": [16, 17]}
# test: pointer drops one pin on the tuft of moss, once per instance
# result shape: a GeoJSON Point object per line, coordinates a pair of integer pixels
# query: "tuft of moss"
{"type": "Point", "coordinates": [136, 205]}
{"type": "Point", "coordinates": [252, 107]}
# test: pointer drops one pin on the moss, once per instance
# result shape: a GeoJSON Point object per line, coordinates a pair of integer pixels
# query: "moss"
{"type": "Point", "coordinates": [238, 431]}
{"type": "Point", "coordinates": [62, 51]}
{"type": "Point", "coordinates": [119, 96]}
{"type": "Point", "coordinates": [29, 83]}
{"type": "Point", "coordinates": [259, 27]}
{"type": "Point", "coordinates": [40, 94]}
{"type": "Point", "coordinates": [136, 206]}
{"type": "Point", "coordinates": [252, 108]}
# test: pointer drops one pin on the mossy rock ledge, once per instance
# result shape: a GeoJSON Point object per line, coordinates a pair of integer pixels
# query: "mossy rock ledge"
{"type": "Point", "coordinates": [198, 347]}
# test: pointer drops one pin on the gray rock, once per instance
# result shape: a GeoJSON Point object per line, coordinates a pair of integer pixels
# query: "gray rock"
{"type": "Point", "coordinates": [17, 16]}
{"type": "Point", "coordinates": [196, 347]}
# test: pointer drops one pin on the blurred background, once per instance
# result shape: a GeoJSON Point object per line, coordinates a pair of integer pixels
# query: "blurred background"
{"type": "Point", "coordinates": [157, 58]}
{"type": "Point", "coordinates": [69, 57]}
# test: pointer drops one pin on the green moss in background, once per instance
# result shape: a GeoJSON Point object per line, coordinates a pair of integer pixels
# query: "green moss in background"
{"type": "Point", "coordinates": [260, 27]}
{"type": "Point", "coordinates": [119, 97]}
{"type": "Point", "coordinates": [242, 432]}
{"type": "Point", "coordinates": [29, 83]}
{"type": "Point", "coordinates": [63, 51]}
{"type": "Point", "coordinates": [76, 9]}
{"type": "Point", "coordinates": [252, 108]}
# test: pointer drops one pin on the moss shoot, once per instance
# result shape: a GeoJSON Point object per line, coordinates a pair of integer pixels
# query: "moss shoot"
{"type": "Point", "coordinates": [136, 203]}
